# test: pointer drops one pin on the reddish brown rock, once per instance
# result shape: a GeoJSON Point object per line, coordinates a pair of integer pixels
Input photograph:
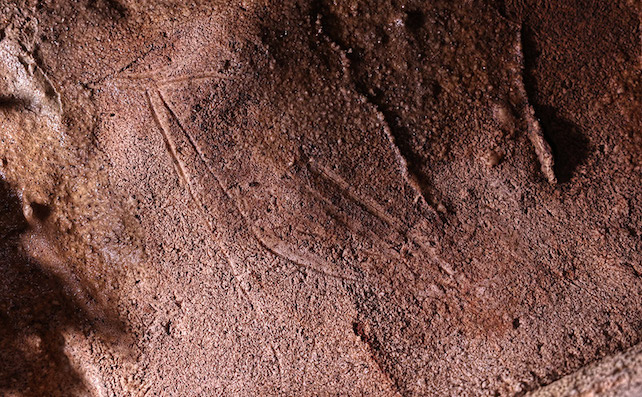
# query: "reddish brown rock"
{"type": "Point", "coordinates": [304, 198]}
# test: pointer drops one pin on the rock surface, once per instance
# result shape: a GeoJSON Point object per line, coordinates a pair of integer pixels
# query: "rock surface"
{"type": "Point", "coordinates": [317, 198]}
{"type": "Point", "coordinates": [618, 375]}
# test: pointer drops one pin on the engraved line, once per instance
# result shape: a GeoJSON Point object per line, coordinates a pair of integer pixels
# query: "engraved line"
{"type": "Point", "coordinates": [247, 221]}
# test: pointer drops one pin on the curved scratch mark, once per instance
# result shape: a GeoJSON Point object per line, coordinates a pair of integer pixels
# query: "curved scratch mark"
{"type": "Point", "coordinates": [406, 170]}
{"type": "Point", "coordinates": [170, 145]}
{"type": "Point", "coordinates": [272, 250]}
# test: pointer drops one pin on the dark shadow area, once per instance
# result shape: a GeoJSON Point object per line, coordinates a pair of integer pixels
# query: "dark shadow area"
{"type": "Point", "coordinates": [35, 311]}
{"type": "Point", "coordinates": [570, 146]}
{"type": "Point", "coordinates": [415, 20]}
{"type": "Point", "coordinates": [110, 8]}
{"type": "Point", "coordinates": [8, 102]}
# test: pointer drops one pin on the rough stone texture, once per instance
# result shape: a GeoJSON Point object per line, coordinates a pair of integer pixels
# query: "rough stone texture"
{"type": "Point", "coordinates": [317, 198]}
{"type": "Point", "coordinates": [618, 375]}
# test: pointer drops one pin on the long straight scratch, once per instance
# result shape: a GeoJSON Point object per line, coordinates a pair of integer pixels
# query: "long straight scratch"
{"type": "Point", "coordinates": [171, 147]}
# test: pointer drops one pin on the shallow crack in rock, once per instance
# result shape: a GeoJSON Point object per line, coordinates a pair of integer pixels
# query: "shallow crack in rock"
{"type": "Point", "coordinates": [408, 168]}
{"type": "Point", "coordinates": [533, 127]}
